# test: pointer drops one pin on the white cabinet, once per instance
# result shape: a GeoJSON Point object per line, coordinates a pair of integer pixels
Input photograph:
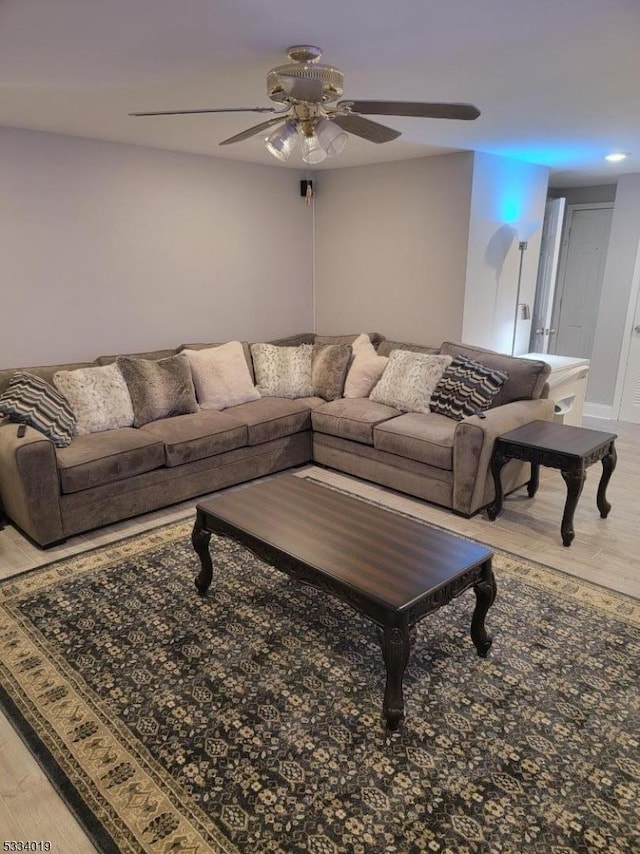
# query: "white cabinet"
{"type": "Point", "coordinates": [567, 385]}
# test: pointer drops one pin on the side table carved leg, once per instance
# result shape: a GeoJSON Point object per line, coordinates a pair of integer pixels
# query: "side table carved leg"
{"type": "Point", "coordinates": [485, 590]}
{"type": "Point", "coordinates": [608, 466]}
{"type": "Point", "coordinates": [498, 460]}
{"type": "Point", "coordinates": [534, 481]}
{"type": "Point", "coordinates": [395, 650]}
{"type": "Point", "coordinates": [575, 481]}
{"type": "Point", "coordinates": [200, 541]}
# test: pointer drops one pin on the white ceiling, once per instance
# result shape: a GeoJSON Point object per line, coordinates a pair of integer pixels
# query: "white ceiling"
{"type": "Point", "coordinates": [557, 81]}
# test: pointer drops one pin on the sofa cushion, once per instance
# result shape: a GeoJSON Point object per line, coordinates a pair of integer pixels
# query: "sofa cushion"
{"type": "Point", "coordinates": [193, 437]}
{"type": "Point", "coordinates": [409, 379]}
{"type": "Point", "coordinates": [273, 417]}
{"type": "Point", "coordinates": [424, 437]}
{"type": "Point", "coordinates": [31, 400]}
{"type": "Point", "coordinates": [329, 365]}
{"type": "Point", "coordinates": [45, 372]}
{"type": "Point", "coordinates": [221, 376]}
{"type": "Point", "coordinates": [466, 388]}
{"type": "Point", "coordinates": [386, 348]}
{"type": "Point", "coordinates": [352, 418]}
{"type": "Point", "coordinates": [283, 371]}
{"type": "Point", "coordinates": [526, 376]}
{"type": "Point", "coordinates": [98, 396]}
{"type": "Point", "coordinates": [98, 458]}
{"type": "Point", "coordinates": [158, 389]}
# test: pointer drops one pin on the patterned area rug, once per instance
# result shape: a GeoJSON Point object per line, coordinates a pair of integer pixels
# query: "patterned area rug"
{"type": "Point", "coordinates": [250, 721]}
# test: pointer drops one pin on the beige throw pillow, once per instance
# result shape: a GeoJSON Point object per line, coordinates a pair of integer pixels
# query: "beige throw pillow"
{"type": "Point", "coordinates": [98, 396]}
{"type": "Point", "coordinates": [283, 371]}
{"type": "Point", "coordinates": [366, 368]}
{"type": "Point", "coordinates": [221, 376]}
{"type": "Point", "coordinates": [409, 379]}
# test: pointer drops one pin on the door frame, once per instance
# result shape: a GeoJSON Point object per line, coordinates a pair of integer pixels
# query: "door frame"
{"type": "Point", "coordinates": [623, 364]}
{"type": "Point", "coordinates": [564, 251]}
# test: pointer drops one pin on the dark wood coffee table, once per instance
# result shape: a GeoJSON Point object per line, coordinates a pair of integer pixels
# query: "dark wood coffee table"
{"type": "Point", "coordinates": [560, 446]}
{"type": "Point", "coordinates": [392, 569]}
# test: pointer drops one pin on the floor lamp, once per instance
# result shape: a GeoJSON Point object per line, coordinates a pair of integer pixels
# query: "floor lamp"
{"type": "Point", "coordinates": [522, 245]}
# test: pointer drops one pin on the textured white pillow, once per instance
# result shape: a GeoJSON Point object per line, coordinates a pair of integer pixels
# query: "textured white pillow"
{"type": "Point", "coordinates": [283, 371]}
{"type": "Point", "coordinates": [98, 396]}
{"type": "Point", "coordinates": [409, 379]}
{"type": "Point", "coordinates": [221, 376]}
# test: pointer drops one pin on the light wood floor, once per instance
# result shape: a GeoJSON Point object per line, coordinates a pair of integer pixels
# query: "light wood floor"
{"type": "Point", "coordinates": [605, 551]}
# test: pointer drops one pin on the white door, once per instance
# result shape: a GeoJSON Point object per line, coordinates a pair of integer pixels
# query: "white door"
{"type": "Point", "coordinates": [630, 398]}
{"type": "Point", "coordinates": [547, 275]}
{"type": "Point", "coordinates": [582, 267]}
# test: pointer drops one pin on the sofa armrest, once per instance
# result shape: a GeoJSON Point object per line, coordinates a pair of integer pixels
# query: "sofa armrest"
{"type": "Point", "coordinates": [29, 483]}
{"type": "Point", "coordinates": [473, 446]}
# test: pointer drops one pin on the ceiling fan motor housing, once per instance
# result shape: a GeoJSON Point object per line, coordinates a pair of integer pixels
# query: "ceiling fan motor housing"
{"type": "Point", "coordinates": [305, 79]}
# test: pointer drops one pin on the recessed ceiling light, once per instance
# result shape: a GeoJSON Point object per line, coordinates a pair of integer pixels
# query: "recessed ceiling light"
{"type": "Point", "coordinates": [616, 157]}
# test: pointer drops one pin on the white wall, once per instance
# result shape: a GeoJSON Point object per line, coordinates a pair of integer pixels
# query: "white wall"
{"type": "Point", "coordinates": [391, 244]}
{"type": "Point", "coordinates": [615, 294]}
{"type": "Point", "coordinates": [114, 248]}
{"type": "Point", "coordinates": [507, 206]}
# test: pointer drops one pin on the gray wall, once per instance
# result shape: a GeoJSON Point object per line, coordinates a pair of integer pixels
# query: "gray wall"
{"type": "Point", "coordinates": [615, 294]}
{"type": "Point", "coordinates": [391, 244]}
{"type": "Point", "coordinates": [113, 248]}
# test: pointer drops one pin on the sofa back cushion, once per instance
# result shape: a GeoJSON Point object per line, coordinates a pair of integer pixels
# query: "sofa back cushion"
{"type": "Point", "coordinates": [45, 372]}
{"type": "Point", "coordinates": [526, 377]}
{"type": "Point", "coordinates": [160, 388]}
{"type": "Point", "coordinates": [153, 355]}
{"type": "Point", "coordinates": [374, 337]}
{"type": "Point", "coordinates": [385, 348]}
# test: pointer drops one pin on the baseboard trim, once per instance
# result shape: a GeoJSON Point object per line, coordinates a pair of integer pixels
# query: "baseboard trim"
{"type": "Point", "coordinates": [600, 410]}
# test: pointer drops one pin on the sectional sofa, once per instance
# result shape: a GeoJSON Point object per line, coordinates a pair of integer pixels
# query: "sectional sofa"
{"type": "Point", "coordinates": [52, 493]}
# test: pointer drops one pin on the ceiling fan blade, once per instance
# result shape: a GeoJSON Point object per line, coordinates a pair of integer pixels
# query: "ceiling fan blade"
{"type": "Point", "coordinates": [252, 131]}
{"type": "Point", "coordinates": [371, 131]}
{"type": "Point", "coordinates": [302, 88]}
{"type": "Point", "coordinates": [417, 109]}
{"type": "Point", "coordinates": [212, 110]}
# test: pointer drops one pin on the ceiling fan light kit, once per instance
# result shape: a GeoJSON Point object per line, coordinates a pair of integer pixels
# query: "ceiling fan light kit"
{"type": "Point", "coordinates": [282, 141]}
{"type": "Point", "coordinates": [308, 89]}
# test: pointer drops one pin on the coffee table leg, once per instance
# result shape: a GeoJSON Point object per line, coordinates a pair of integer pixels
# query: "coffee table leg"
{"type": "Point", "coordinates": [575, 481]}
{"type": "Point", "coordinates": [200, 541]}
{"type": "Point", "coordinates": [534, 481]}
{"type": "Point", "coordinates": [395, 649]}
{"type": "Point", "coordinates": [608, 466]}
{"type": "Point", "coordinates": [485, 590]}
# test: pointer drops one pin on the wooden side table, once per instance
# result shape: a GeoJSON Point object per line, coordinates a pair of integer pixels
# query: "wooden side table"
{"type": "Point", "coordinates": [559, 446]}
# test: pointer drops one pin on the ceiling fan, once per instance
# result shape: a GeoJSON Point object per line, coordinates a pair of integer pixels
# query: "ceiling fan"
{"type": "Point", "coordinates": [308, 90]}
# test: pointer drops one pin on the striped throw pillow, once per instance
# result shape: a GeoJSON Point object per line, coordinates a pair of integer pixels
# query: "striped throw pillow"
{"type": "Point", "coordinates": [30, 400]}
{"type": "Point", "coordinates": [466, 388]}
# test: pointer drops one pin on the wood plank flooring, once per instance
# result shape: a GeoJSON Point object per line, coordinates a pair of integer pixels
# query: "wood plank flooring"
{"type": "Point", "coordinates": [605, 551]}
